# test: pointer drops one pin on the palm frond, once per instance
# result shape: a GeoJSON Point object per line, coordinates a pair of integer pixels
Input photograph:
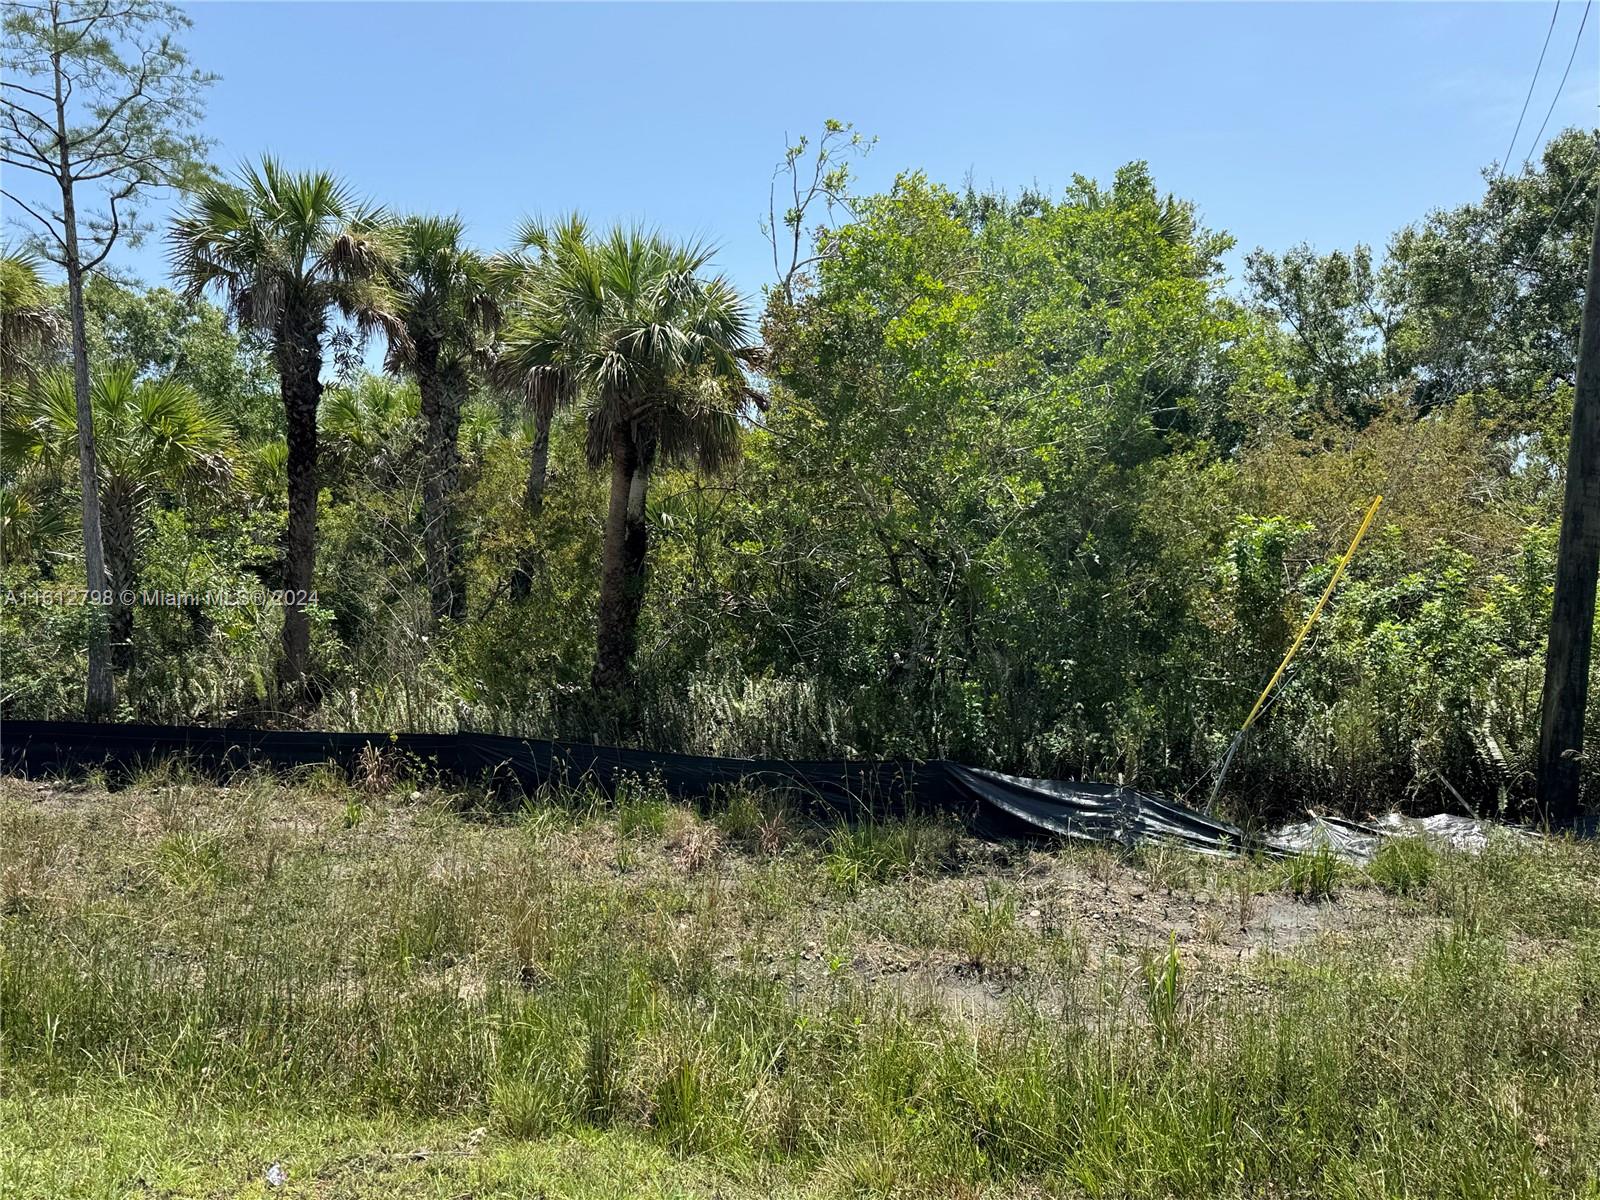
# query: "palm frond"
{"type": "Point", "coordinates": [277, 242]}
{"type": "Point", "coordinates": [151, 435]}
{"type": "Point", "coordinates": [30, 324]}
{"type": "Point", "coordinates": [447, 296]}
{"type": "Point", "coordinates": [628, 324]}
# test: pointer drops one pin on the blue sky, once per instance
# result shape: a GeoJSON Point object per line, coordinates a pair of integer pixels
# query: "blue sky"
{"type": "Point", "coordinates": [1331, 123]}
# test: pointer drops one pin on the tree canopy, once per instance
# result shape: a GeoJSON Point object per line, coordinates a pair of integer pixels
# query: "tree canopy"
{"type": "Point", "coordinates": [1022, 479]}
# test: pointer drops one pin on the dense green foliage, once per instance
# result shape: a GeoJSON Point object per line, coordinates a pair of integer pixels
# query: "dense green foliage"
{"type": "Point", "coordinates": [1028, 481]}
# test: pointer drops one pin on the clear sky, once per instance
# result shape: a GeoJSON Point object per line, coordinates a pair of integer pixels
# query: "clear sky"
{"type": "Point", "coordinates": [1331, 123]}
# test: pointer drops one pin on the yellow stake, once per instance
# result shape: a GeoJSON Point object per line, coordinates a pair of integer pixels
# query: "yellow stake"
{"type": "Point", "coordinates": [1338, 571]}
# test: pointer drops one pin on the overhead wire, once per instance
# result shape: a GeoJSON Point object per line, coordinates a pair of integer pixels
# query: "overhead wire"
{"type": "Point", "coordinates": [1576, 42]}
{"type": "Point", "coordinates": [1512, 145]}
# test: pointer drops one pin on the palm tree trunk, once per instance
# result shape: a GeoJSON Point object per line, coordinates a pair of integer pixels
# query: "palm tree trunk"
{"type": "Point", "coordinates": [455, 540]}
{"type": "Point", "coordinates": [299, 353]}
{"type": "Point", "coordinates": [538, 459]}
{"type": "Point", "coordinates": [443, 393]}
{"type": "Point", "coordinates": [622, 576]}
{"type": "Point", "coordinates": [121, 569]}
{"type": "Point", "coordinates": [533, 495]}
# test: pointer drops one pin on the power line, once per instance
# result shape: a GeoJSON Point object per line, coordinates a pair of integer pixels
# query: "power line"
{"type": "Point", "coordinates": [1576, 42]}
{"type": "Point", "coordinates": [1539, 66]}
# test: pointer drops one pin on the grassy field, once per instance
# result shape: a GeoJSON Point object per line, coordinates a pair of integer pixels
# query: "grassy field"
{"type": "Point", "coordinates": [381, 990]}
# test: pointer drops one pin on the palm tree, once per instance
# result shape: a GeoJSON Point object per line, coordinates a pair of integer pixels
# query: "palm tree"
{"type": "Point", "coordinates": [29, 522]}
{"type": "Point", "coordinates": [447, 304]}
{"type": "Point", "coordinates": [288, 250]}
{"type": "Point", "coordinates": [655, 354]}
{"type": "Point", "coordinates": [528, 361]}
{"type": "Point", "coordinates": [30, 330]}
{"type": "Point", "coordinates": [156, 437]}
{"type": "Point", "coordinates": [30, 323]}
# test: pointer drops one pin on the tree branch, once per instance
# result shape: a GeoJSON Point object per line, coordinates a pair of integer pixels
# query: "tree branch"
{"type": "Point", "coordinates": [48, 224]}
{"type": "Point", "coordinates": [110, 239]}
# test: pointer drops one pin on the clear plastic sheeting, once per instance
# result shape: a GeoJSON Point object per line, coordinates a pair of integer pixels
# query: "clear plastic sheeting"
{"type": "Point", "coordinates": [1358, 842]}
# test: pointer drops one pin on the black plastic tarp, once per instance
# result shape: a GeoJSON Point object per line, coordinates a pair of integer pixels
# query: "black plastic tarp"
{"type": "Point", "coordinates": [1002, 804]}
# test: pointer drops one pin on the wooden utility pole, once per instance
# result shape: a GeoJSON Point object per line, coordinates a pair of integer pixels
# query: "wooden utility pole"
{"type": "Point", "coordinates": [1566, 670]}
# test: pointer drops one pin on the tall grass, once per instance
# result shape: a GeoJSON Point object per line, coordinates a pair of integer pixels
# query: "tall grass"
{"type": "Point", "coordinates": [544, 976]}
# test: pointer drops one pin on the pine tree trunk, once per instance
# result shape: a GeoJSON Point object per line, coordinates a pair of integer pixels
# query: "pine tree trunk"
{"type": "Point", "coordinates": [117, 507]}
{"type": "Point", "coordinates": [100, 694]}
{"type": "Point", "coordinates": [622, 576]}
{"type": "Point", "coordinates": [450, 472]}
{"type": "Point", "coordinates": [299, 354]}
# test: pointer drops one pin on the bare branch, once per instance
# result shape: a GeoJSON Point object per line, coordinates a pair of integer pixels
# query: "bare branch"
{"type": "Point", "coordinates": [12, 108]}
{"type": "Point", "coordinates": [24, 164]}
{"type": "Point", "coordinates": [17, 87]}
{"type": "Point", "coordinates": [109, 239]}
{"type": "Point", "coordinates": [48, 224]}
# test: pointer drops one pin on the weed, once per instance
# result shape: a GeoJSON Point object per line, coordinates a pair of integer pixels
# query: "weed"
{"type": "Point", "coordinates": [641, 817]}
{"type": "Point", "coordinates": [680, 1104]}
{"type": "Point", "coordinates": [376, 773]}
{"type": "Point", "coordinates": [877, 851]}
{"type": "Point", "coordinates": [1102, 861]}
{"type": "Point", "coordinates": [739, 813]}
{"type": "Point", "coordinates": [1168, 867]}
{"type": "Point", "coordinates": [846, 870]}
{"type": "Point", "coordinates": [1403, 866]}
{"type": "Point", "coordinates": [193, 861]}
{"type": "Point", "coordinates": [988, 933]}
{"type": "Point", "coordinates": [1163, 975]}
{"type": "Point", "coordinates": [696, 847]}
{"type": "Point", "coordinates": [1313, 876]}
{"type": "Point", "coordinates": [1244, 894]}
